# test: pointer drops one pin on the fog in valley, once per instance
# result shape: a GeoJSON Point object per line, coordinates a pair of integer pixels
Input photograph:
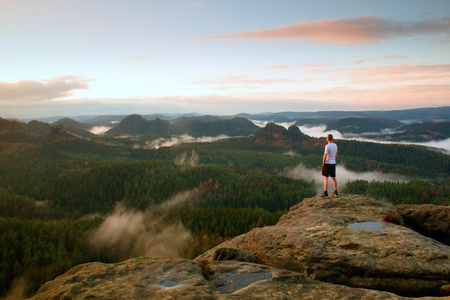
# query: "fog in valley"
{"type": "Point", "coordinates": [183, 139]}
{"type": "Point", "coordinates": [343, 176]}
{"type": "Point", "coordinates": [130, 233]}
{"type": "Point", "coordinates": [313, 131]}
{"type": "Point", "coordinates": [99, 130]}
{"type": "Point", "coordinates": [186, 159]}
{"type": "Point", "coordinates": [320, 131]}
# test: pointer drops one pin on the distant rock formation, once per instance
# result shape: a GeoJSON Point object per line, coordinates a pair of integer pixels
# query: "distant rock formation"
{"type": "Point", "coordinates": [278, 136]}
{"type": "Point", "coordinates": [336, 248]}
{"type": "Point", "coordinates": [7, 126]}
{"type": "Point", "coordinates": [135, 125]}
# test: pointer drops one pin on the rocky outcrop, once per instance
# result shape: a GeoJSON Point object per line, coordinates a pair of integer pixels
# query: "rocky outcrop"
{"type": "Point", "coordinates": [278, 136]}
{"type": "Point", "coordinates": [166, 278]}
{"type": "Point", "coordinates": [428, 219]}
{"type": "Point", "coordinates": [344, 241]}
{"type": "Point", "coordinates": [336, 248]}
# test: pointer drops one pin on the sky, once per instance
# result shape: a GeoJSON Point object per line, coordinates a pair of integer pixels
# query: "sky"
{"type": "Point", "coordinates": [90, 57]}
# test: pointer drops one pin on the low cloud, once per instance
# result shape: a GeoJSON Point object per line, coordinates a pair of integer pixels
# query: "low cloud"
{"type": "Point", "coordinates": [126, 233]}
{"type": "Point", "coordinates": [320, 131]}
{"type": "Point", "coordinates": [261, 124]}
{"type": "Point", "coordinates": [48, 89]}
{"type": "Point", "coordinates": [361, 30]}
{"type": "Point", "coordinates": [19, 289]}
{"type": "Point", "coordinates": [184, 159]}
{"type": "Point", "coordinates": [99, 129]}
{"type": "Point", "coordinates": [343, 176]}
{"type": "Point", "coordinates": [183, 139]}
{"type": "Point", "coordinates": [179, 200]}
{"type": "Point", "coordinates": [442, 144]}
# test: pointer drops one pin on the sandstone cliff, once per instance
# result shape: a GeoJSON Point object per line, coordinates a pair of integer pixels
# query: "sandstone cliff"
{"type": "Point", "coordinates": [337, 248]}
{"type": "Point", "coordinates": [344, 241]}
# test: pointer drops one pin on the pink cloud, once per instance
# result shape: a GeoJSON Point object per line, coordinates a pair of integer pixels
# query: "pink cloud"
{"type": "Point", "coordinates": [276, 67]}
{"type": "Point", "coordinates": [365, 29]}
{"type": "Point", "coordinates": [29, 90]}
{"type": "Point", "coordinates": [340, 97]}
{"type": "Point", "coordinates": [356, 62]}
{"type": "Point", "coordinates": [394, 57]}
{"type": "Point", "coordinates": [244, 80]}
{"type": "Point", "coordinates": [404, 74]}
{"type": "Point", "coordinates": [314, 66]}
{"type": "Point", "coordinates": [369, 74]}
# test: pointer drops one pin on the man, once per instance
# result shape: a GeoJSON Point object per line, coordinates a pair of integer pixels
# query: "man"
{"type": "Point", "coordinates": [329, 166]}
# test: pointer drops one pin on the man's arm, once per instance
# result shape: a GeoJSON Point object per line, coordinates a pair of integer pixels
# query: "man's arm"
{"type": "Point", "coordinates": [324, 159]}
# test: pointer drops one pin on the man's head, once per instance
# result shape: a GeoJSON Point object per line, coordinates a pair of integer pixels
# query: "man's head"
{"type": "Point", "coordinates": [330, 137]}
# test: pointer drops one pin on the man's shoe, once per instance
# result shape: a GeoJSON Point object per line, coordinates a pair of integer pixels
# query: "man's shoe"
{"type": "Point", "coordinates": [324, 195]}
{"type": "Point", "coordinates": [335, 194]}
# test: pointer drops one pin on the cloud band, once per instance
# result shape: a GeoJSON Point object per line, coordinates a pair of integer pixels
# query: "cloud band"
{"type": "Point", "coordinates": [365, 29]}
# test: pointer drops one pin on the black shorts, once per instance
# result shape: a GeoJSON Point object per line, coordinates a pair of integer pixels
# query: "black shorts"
{"type": "Point", "coordinates": [329, 170]}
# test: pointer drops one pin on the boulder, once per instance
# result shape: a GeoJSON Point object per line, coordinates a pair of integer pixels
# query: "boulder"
{"type": "Point", "coordinates": [345, 241]}
{"type": "Point", "coordinates": [445, 290]}
{"type": "Point", "coordinates": [428, 219]}
{"type": "Point", "coordinates": [169, 278]}
{"type": "Point", "coordinates": [137, 278]}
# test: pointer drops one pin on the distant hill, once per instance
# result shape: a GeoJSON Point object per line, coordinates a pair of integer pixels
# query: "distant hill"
{"type": "Point", "coordinates": [428, 114]}
{"type": "Point", "coordinates": [205, 118]}
{"type": "Point", "coordinates": [234, 127]}
{"type": "Point", "coordinates": [269, 117]}
{"type": "Point", "coordinates": [362, 125]}
{"type": "Point", "coordinates": [135, 125]}
{"type": "Point", "coordinates": [38, 128]}
{"type": "Point", "coordinates": [421, 132]}
{"type": "Point", "coordinates": [314, 121]}
{"type": "Point", "coordinates": [431, 113]}
{"type": "Point", "coordinates": [410, 115]}
{"type": "Point", "coordinates": [278, 136]}
{"type": "Point", "coordinates": [72, 123]}
{"type": "Point", "coordinates": [10, 126]}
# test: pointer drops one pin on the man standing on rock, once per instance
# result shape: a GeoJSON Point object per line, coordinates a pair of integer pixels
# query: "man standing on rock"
{"type": "Point", "coordinates": [329, 166]}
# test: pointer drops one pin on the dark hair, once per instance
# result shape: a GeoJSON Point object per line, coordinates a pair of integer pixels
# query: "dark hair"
{"type": "Point", "coordinates": [330, 137]}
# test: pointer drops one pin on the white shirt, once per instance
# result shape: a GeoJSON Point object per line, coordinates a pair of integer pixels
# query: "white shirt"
{"type": "Point", "coordinates": [331, 150]}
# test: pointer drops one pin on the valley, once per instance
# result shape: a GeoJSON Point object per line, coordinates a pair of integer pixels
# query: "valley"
{"type": "Point", "coordinates": [61, 185]}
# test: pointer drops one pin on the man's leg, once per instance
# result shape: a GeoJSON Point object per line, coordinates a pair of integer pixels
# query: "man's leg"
{"type": "Point", "coordinates": [334, 183]}
{"type": "Point", "coordinates": [325, 183]}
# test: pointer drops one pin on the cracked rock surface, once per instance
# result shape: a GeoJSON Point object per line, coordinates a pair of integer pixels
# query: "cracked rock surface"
{"type": "Point", "coordinates": [326, 237]}
{"type": "Point", "coordinates": [336, 248]}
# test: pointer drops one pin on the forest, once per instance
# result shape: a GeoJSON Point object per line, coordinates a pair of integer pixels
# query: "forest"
{"type": "Point", "coordinates": [58, 189]}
